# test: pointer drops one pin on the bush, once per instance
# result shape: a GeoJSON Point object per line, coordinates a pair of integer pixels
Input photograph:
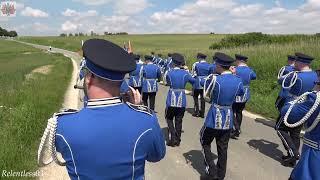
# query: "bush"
{"type": "Point", "coordinates": [255, 38]}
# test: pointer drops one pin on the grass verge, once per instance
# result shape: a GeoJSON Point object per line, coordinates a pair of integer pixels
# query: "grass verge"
{"type": "Point", "coordinates": [27, 104]}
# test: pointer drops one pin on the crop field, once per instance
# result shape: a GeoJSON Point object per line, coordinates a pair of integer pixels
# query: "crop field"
{"type": "Point", "coordinates": [33, 83]}
{"type": "Point", "coordinates": [265, 59]}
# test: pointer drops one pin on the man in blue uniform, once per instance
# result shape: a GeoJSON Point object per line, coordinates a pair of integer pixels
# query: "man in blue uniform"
{"type": "Point", "coordinates": [213, 67]}
{"type": "Point", "coordinates": [247, 75]}
{"type": "Point", "coordinates": [167, 68]}
{"type": "Point", "coordinates": [151, 76]}
{"type": "Point", "coordinates": [222, 90]}
{"type": "Point", "coordinates": [305, 110]}
{"type": "Point", "coordinates": [284, 92]}
{"type": "Point", "coordinates": [297, 82]}
{"type": "Point", "coordinates": [200, 70]}
{"type": "Point", "coordinates": [109, 138]}
{"type": "Point", "coordinates": [176, 102]}
{"type": "Point", "coordinates": [135, 80]}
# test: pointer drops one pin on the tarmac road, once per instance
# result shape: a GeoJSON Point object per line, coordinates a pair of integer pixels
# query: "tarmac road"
{"type": "Point", "coordinates": [255, 155]}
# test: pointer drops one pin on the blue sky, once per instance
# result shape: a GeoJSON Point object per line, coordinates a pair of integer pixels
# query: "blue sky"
{"type": "Point", "coordinates": [44, 17]}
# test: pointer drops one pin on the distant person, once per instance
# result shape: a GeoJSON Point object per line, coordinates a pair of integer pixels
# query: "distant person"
{"type": "Point", "coordinates": [297, 82]}
{"type": "Point", "coordinates": [294, 115]}
{"type": "Point", "coordinates": [135, 80]}
{"type": "Point", "coordinates": [151, 75]}
{"type": "Point", "coordinates": [109, 138]}
{"type": "Point", "coordinates": [176, 101]}
{"type": "Point", "coordinates": [247, 74]}
{"type": "Point", "coordinates": [221, 90]}
{"type": "Point", "coordinates": [200, 70]}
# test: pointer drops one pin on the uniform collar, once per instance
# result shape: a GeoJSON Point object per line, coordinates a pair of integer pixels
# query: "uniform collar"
{"type": "Point", "coordinates": [243, 65]}
{"type": "Point", "coordinates": [150, 63]}
{"type": "Point", "coordinates": [176, 68]}
{"type": "Point", "coordinates": [226, 72]}
{"type": "Point", "coordinates": [306, 70]}
{"type": "Point", "coordinates": [202, 61]}
{"type": "Point", "coordinates": [94, 103]}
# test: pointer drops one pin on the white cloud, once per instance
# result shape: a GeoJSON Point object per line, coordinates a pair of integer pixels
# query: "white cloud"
{"type": "Point", "coordinates": [200, 16]}
{"type": "Point", "coordinates": [73, 13]}
{"type": "Point", "coordinates": [215, 15]}
{"type": "Point", "coordinates": [246, 10]}
{"type": "Point", "coordinates": [93, 2]}
{"type": "Point", "coordinates": [28, 11]}
{"type": "Point", "coordinates": [277, 3]}
{"type": "Point", "coordinates": [69, 13]}
{"type": "Point", "coordinates": [130, 7]}
{"type": "Point", "coordinates": [69, 26]}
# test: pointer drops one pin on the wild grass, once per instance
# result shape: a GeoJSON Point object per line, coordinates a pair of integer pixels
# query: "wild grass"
{"type": "Point", "coordinates": [27, 104]}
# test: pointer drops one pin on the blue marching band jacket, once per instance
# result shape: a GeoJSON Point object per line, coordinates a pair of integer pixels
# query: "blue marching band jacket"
{"type": "Point", "coordinates": [136, 76]}
{"type": "Point", "coordinates": [284, 71]}
{"type": "Point", "coordinates": [297, 83]}
{"type": "Point", "coordinates": [200, 70]}
{"type": "Point", "coordinates": [75, 140]}
{"type": "Point", "coordinates": [151, 74]}
{"type": "Point", "coordinates": [247, 75]}
{"type": "Point", "coordinates": [305, 110]}
{"type": "Point", "coordinates": [222, 91]}
{"type": "Point", "coordinates": [177, 79]}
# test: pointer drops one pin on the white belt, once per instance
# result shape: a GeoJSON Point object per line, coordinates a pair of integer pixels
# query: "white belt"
{"type": "Point", "coordinates": [313, 144]}
{"type": "Point", "coordinates": [221, 107]}
{"type": "Point", "coordinates": [178, 90]}
{"type": "Point", "coordinates": [151, 79]}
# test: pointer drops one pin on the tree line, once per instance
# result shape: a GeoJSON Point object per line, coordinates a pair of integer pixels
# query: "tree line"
{"type": "Point", "coordinates": [6, 33]}
{"type": "Point", "coordinates": [92, 34]}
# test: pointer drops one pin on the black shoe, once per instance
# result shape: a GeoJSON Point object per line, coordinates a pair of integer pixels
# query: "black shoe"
{"type": "Point", "coordinates": [195, 115]}
{"type": "Point", "coordinates": [233, 136]}
{"type": "Point", "coordinates": [207, 177]}
{"type": "Point", "coordinates": [237, 133]}
{"type": "Point", "coordinates": [285, 157]}
{"type": "Point", "coordinates": [177, 143]}
{"type": "Point", "coordinates": [171, 143]}
{"type": "Point", "coordinates": [202, 115]}
{"type": "Point", "coordinates": [289, 162]}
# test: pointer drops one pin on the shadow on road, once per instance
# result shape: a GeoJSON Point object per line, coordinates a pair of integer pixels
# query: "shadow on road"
{"type": "Point", "coordinates": [165, 132]}
{"type": "Point", "coordinates": [196, 160]}
{"type": "Point", "coordinates": [190, 110]}
{"type": "Point", "coordinates": [265, 122]}
{"type": "Point", "coordinates": [267, 148]}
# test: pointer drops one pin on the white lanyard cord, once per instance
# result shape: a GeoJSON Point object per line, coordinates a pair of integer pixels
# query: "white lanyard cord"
{"type": "Point", "coordinates": [308, 114]}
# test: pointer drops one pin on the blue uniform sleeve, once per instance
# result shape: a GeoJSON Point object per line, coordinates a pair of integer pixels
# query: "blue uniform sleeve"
{"type": "Point", "coordinates": [157, 148]}
{"type": "Point", "coordinates": [158, 73]}
{"type": "Point", "coordinates": [253, 75]}
{"type": "Point", "coordinates": [168, 78]}
{"type": "Point", "coordinates": [191, 79]}
{"type": "Point", "coordinates": [240, 89]}
{"type": "Point", "coordinates": [203, 81]}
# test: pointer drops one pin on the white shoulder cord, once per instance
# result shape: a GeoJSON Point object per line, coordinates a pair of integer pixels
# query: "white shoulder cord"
{"type": "Point", "coordinates": [280, 73]}
{"type": "Point", "coordinates": [48, 139]}
{"type": "Point", "coordinates": [292, 81]}
{"type": "Point", "coordinates": [308, 114]}
{"type": "Point", "coordinates": [207, 91]}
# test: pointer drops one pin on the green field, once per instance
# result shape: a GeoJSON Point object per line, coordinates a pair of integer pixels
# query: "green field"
{"type": "Point", "coordinates": [266, 60]}
{"type": "Point", "coordinates": [27, 101]}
